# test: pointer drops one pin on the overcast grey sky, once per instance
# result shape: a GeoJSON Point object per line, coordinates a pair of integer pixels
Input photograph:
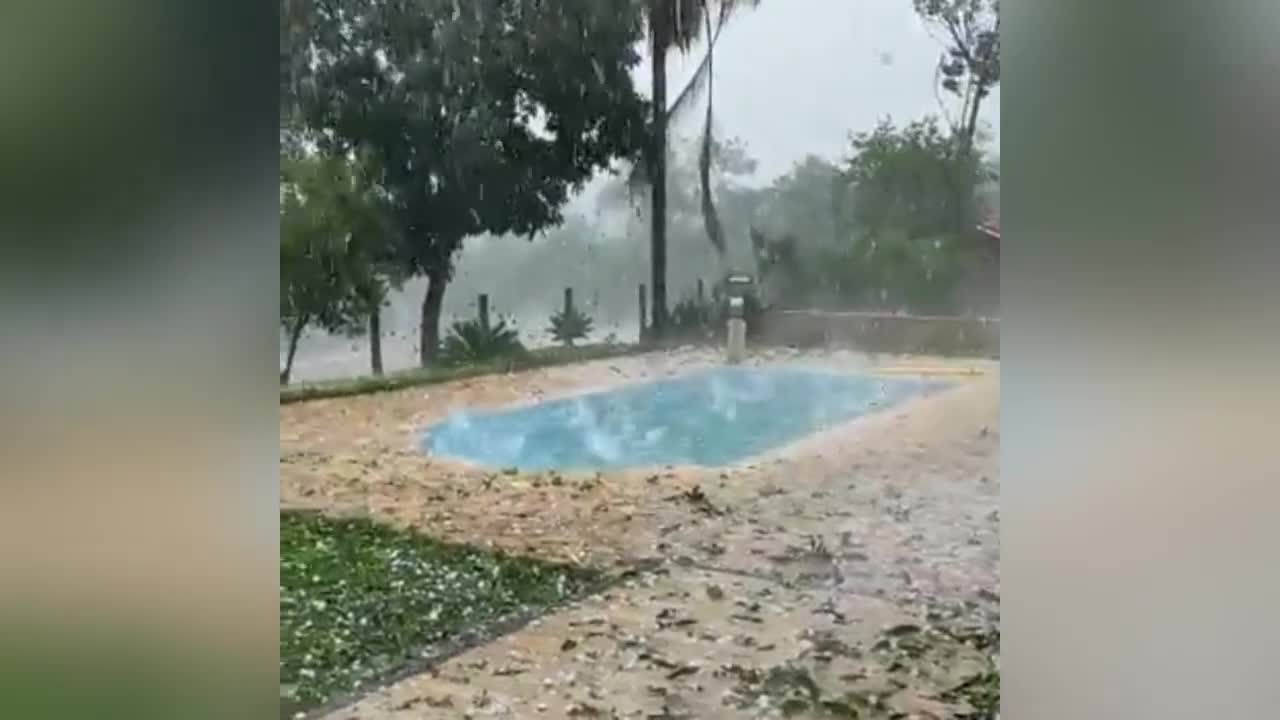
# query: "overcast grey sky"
{"type": "Point", "coordinates": [794, 77]}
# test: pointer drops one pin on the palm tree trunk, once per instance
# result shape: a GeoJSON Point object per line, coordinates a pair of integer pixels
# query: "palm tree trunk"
{"type": "Point", "coordinates": [658, 174]}
{"type": "Point", "coordinates": [710, 219]}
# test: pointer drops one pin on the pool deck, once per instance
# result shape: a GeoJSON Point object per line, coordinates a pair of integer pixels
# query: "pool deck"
{"type": "Point", "coordinates": [840, 533]}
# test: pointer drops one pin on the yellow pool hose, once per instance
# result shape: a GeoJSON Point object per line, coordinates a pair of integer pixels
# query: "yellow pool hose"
{"type": "Point", "coordinates": [926, 371]}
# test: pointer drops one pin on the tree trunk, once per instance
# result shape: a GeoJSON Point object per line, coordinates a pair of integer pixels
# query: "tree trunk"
{"type": "Point", "coordinates": [432, 304]}
{"type": "Point", "coordinates": [375, 340]}
{"type": "Point", "coordinates": [963, 185]}
{"type": "Point", "coordinates": [971, 122]}
{"type": "Point", "coordinates": [295, 333]}
{"type": "Point", "coordinates": [658, 178]}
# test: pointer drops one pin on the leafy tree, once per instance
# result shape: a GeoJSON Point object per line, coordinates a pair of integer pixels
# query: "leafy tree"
{"type": "Point", "coordinates": [336, 248]}
{"type": "Point", "coordinates": [970, 66]}
{"type": "Point", "coordinates": [692, 319]}
{"type": "Point", "coordinates": [366, 211]}
{"type": "Point", "coordinates": [307, 292]}
{"type": "Point", "coordinates": [484, 116]}
{"type": "Point", "coordinates": [313, 255]}
{"type": "Point", "coordinates": [910, 178]}
{"type": "Point", "coordinates": [908, 199]}
{"type": "Point", "coordinates": [470, 342]}
{"type": "Point", "coordinates": [800, 203]}
{"type": "Point", "coordinates": [782, 275]}
{"type": "Point", "coordinates": [568, 325]}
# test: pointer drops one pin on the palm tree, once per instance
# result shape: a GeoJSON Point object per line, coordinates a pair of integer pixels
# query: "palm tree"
{"type": "Point", "coordinates": [678, 24]}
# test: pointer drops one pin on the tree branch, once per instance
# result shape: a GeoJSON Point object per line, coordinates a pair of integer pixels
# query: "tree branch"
{"type": "Point", "coordinates": [961, 44]}
{"type": "Point", "coordinates": [942, 107]}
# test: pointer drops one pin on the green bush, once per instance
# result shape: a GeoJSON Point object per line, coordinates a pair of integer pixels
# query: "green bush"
{"type": "Point", "coordinates": [753, 312]}
{"type": "Point", "coordinates": [693, 319]}
{"type": "Point", "coordinates": [569, 325]}
{"type": "Point", "coordinates": [707, 320]}
{"type": "Point", "coordinates": [469, 343]}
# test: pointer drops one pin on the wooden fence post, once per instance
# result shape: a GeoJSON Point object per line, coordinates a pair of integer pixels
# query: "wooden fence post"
{"type": "Point", "coordinates": [483, 304]}
{"type": "Point", "coordinates": [568, 301]}
{"type": "Point", "coordinates": [644, 315]}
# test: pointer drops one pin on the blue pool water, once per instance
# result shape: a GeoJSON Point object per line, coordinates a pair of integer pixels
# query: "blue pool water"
{"type": "Point", "coordinates": [709, 418]}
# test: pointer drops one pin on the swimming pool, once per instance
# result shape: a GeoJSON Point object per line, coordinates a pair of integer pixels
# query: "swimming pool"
{"type": "Point", "coordinates": [709, 418]}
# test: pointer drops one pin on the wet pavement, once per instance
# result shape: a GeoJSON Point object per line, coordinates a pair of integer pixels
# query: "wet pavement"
{"type": "Point", "coordinates": [843, 572]}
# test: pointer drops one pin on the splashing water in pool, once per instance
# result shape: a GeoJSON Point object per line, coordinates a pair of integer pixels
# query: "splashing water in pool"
{"type": "Point", "coordinates": [709, 418]}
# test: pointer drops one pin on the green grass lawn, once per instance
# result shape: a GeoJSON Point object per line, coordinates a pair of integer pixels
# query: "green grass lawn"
{"type": "Point", "coordinates": [536, 358]}
{"type": "Point", "coordinates": [359, 601]}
